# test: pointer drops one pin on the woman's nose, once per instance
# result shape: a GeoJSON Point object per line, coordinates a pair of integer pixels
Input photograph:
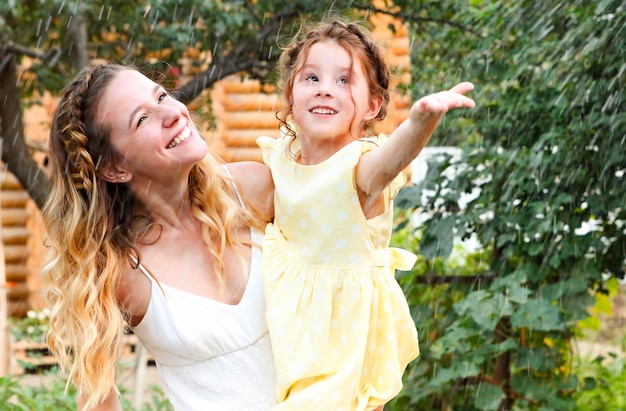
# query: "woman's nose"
{"type": "Point", "coordinates": [170, 115]}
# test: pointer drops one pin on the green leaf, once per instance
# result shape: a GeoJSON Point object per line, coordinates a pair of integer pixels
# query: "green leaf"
{"type": "Point", "coordinates": [538, 315]}
{"type": "Point", "coordinates": [488, 397]}
{"type": "Point", "coordinates": [438, 238]}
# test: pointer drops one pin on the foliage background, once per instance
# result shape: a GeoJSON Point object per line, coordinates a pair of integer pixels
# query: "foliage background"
{"type": "Point", "coordinates": [545, 153]}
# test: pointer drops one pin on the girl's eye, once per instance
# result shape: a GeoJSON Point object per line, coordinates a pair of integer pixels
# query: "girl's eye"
{"type": "Point", "coordinates": [311, 78]}
{"type": "Point", "coordinates": [162, 96]}
{"type": "Point", "coordinates": [141, 120]}
{"type": "Point", "coordinates": [342, 80]}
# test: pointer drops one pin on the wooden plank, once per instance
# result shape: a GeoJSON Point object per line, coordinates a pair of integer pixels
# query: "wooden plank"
{"type": "Point", "coordinates": [398, 62]}
{"type": "Point", "coordinates": [14, 216]}
{"type": "Point", "coordinates": [8, 181]}
{"type": "Point", "coordinates": [18, 291]}
{"type": "Point", "coordinates": [247, 120]}
{"type": "Point", "coordinates": [247, 138]}
{"type": "Point", "coordinates": [245, 154]}
{"type": "Point", "coordinates": [400, 46]}
{"type": "Point", "coordinates": [251, 102]}
{"type": "Point", "coordinates": [4, 309]}
{"type": "Point", "coordinates": [16, 272]}
{"type": "Point", "coordinates": [235, 85]}
{"type": "Point", "coordinates": [14, 198]}
{"type": "Point", "coordinates": [15, 253]}
{"type": "Point", "coordinates": [14, 235]}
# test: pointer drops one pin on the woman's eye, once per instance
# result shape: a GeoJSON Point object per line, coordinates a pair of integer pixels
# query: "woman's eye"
{"type": "Point", "coordinates": [162, 97]}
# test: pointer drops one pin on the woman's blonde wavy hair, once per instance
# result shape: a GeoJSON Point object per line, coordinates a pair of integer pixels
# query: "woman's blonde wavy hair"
{"type": "Point", "coordinates": [92, 229]}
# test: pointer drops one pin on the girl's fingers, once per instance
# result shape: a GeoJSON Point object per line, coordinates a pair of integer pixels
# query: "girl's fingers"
{"type": "Point", "coordinates": [462, 88]}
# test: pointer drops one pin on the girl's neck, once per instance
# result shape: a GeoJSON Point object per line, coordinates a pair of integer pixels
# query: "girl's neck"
{"type": "Point", "coordinates": [313, 151]}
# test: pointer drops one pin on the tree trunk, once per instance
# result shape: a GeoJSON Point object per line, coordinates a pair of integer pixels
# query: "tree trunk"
{"type": "Point", "coordinates": [503, 365]}
{"type": "Point", "coordinates": [15, 152]}
{"type": "Point", "coordinates": [77, 36]}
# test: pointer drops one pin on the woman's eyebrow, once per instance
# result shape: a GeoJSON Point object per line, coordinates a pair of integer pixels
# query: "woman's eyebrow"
{"type": "Point", "coordinates": [138, 109]}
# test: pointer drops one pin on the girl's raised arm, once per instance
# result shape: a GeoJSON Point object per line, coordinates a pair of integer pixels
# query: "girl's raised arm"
{"type": "Point", "coordinates": [377, 168]}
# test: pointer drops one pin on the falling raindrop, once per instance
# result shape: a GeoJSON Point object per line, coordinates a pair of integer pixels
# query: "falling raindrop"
{"type": "Point", "coordinates": [190, 19]}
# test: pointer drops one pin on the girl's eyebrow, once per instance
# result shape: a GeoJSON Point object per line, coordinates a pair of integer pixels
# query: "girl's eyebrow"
{"type": "Point", "coordinates": [140, 107]}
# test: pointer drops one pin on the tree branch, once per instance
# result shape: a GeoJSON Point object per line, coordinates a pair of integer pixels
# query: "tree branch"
{"type": "Point", "coordinates": [453, 279]}
{"type": "Point", "coordinates": [249, 56]}
{"type": "Point", "coordinates": [51, 57]}
{"type": "Point", "coordinates": [419, 19]}
{"type": "Point", "coordinates": [15, 152]}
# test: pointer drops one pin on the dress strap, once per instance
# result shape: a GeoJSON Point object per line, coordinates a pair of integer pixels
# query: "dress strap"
{"type": "Point", "coordinates": [225, 167]}
{"type": "Point", "coordinates": [141, 267]}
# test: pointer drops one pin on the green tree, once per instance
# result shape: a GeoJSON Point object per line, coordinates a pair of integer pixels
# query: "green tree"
{"type": "Point", "coordinates": [544, 150]}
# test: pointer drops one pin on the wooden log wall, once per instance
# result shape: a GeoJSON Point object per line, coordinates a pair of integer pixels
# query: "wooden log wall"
{"type": "Point", "coordinates": [15, 237]}
{"type": "Point", "coordinates": [245, 110]}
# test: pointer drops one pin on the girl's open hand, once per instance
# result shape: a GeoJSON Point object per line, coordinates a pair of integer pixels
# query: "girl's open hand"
{"type": "Point", "coordinates": [437, 104]}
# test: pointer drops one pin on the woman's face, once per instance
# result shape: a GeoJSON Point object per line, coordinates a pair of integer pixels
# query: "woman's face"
{"type": "Point", "coordinates": [149, 129]}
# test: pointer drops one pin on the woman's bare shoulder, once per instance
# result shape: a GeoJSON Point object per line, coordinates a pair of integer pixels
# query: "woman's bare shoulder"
{"type": "Point", "coordinates": [133, 293]}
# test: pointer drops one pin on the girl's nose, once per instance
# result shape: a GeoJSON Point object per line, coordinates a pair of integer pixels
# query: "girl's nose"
{"type": "Point", "coordinates": [323, 89]}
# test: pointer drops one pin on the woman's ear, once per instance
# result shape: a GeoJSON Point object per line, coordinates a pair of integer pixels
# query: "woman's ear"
{"type": "Point", "coordinates": [115, 175]}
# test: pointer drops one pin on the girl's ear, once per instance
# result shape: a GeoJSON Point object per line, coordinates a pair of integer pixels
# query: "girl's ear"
{"type": "Point", "coordinates": [373, 108]}
{"type": "Point", "coordinates": [115, 175]}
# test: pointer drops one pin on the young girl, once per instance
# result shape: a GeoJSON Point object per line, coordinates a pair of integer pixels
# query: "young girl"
{"type": "Point", "coordinates": [340, 327]}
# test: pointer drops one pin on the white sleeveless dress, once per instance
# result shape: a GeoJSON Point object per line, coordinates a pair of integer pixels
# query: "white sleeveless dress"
{"type": "Point", "coordinates": [210, 355]}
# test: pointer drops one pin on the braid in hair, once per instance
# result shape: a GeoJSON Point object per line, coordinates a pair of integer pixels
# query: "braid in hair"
{"type": "Point", "coordinates": [80, 167]}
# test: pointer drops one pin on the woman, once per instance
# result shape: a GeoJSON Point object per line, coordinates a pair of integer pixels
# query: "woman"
{"type": "Point", "coordinates": [146, 228]}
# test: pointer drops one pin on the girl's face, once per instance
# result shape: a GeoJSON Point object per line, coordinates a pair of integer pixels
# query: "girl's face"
{"type": "Point", "coordinates": [331, 98]}
{"type": "Point", "coordinates": [150, 130]}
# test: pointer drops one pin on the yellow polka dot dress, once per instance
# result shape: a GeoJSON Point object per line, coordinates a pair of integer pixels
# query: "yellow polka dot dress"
{"type": "Point", "coordinates": [340, 326]}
